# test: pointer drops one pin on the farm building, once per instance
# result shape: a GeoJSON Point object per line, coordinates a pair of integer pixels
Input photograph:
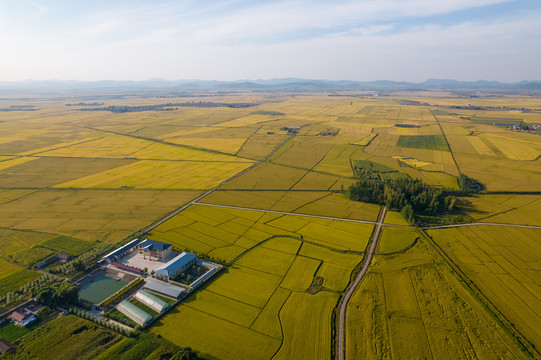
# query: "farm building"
{"type": "Point", "coordinates": [53, 259]}
{"type": "Point", "coordinates": [151, 301]}
{"type": "Point", "coordinates": [134, 313]}
{"type": "Point", "coordinates": [5, 346]}
{"type": "Point", "coordinates": [154, 249]}
{"type": "Point", "coordinates": [164, 289]}
{"type": "Point", "coordinates": [175, 266]}
{"type": "Point", "coordinates": [121, 251]}
{"type": "Point", "coordinates": [292, 129]}
{"type": "Point", "coordinates": [23, 318]}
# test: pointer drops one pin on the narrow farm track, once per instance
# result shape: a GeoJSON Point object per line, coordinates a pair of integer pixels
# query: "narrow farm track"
{"type": "Point", "coordinates": [343, 305]}
{"type": "Point", "coordinates": [364, 221]}
{"type": "Point", "coordinates": [299, 214]}
{"type": "Point", "coordinates": [480, 224]}
{"type": "Point", "coordinates": [185, 206]}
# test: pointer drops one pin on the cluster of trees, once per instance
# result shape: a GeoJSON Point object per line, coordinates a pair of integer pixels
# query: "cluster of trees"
{"type": "Point", "coordinates": [83, 261]}
{"type": "Point", "coordinates": [404, 194]}
{"type": "Point", "coordinates": [19, 295]}
{"type": "Point", "coordinates": [121, 319]}
{"type": "Point", "coordinates": [56, 294]}
{"type": "Point", "coordinates": [102, 322]}
{"type": "Point", "coordinates": [468, 185]}
{"type": "Point", "coordinates": [168, 106]}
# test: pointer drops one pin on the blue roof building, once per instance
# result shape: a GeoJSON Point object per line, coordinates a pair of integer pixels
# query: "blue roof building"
{"type": "Point", "coordinates": [155, 249]}
{"type": "Point", "coordinates": [175, 266]}
{"type": "Point", "coordinates": [121, 251]}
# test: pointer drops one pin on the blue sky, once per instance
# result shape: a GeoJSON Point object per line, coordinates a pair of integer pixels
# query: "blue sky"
{"type": "Point", "coordinates": [408, 40]}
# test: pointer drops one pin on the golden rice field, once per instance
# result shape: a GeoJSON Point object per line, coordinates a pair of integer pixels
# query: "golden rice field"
{"type": "Point", "coordinates": [503, 262]}
{"type": "Point", "coordinates": [258, 304]}
{"type": "Point", "coordinates": [506, 209]}
{"type": "Point", "coordinates": [411, 306]}
{"type": "Point", "coordinates": [101, 176]}
{"type": "Point", "coordinates": [106, 215]}
{"type": "Point", "coordinates": [148, 174]}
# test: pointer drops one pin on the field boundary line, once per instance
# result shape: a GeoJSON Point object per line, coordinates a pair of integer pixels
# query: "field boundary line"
{"type": "Point", "coordinates": [435, 227]}
{"type": "Point", "coordinates": [185, 206]}
{"type": "Point", "coordinates": [164, 142]}
{"type": "Point", "coordinates": [446, 141]}
{"type": "Point", "coordinates": [296, 214]}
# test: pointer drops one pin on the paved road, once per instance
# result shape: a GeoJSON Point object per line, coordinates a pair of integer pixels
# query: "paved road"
{"type": "Point", "coordinates": [343, 305]}
{"type": "Point", "coordinates": [182, 208]}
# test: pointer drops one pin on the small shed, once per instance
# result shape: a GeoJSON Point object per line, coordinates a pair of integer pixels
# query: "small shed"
{"type": "Point", "coordinates": [5, 346]}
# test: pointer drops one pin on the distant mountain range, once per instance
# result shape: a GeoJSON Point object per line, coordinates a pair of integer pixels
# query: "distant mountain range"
{"type": "Point", "coordinates": [286, 84]}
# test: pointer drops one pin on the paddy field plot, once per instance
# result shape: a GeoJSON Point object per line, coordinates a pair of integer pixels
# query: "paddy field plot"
{"type": "Point", "coordinates": [395, 240]}
{"type": "Point", "coordinates": [147, 174]}
{"type": "Point", "coordinates": [259, 145]}
{"type": "Point", "coordinates": [268, 176]}
{"type": "Point", "coordinates": [500, 174]}
{"type": "Point", "coordinates": [505, 209]}
{"type": "Point", "coordinates": [214, 230]}
{"type": "Point", "coordinates": [68, 245]}
{"type": "Point", "coordinates": [29, 257]}
{"type": "Point", "coordinates": [410, 305]}
{"type": "Point", "coordinates": [225, 140]}
{"type": "Point", "coordinates": [15, 240]}
{"type": "Point", "coordinates": [107, 215]}
{"type": "Point", "coordinates": [45, 172]}
{"type": "Point", "coordinates": [503, 262]}
{"type": "Point", "coordinates": [266, 283]}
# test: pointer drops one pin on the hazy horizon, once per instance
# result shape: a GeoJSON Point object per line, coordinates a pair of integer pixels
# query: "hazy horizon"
{"type": "Point", "coordinates": [412, 40]}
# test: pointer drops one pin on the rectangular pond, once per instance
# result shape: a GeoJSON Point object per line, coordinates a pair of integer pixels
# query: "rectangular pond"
{"type": "Point", "coordinates": [100, 288]}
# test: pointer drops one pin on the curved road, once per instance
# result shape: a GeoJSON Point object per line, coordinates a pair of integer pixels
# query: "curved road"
{"type": "Point", "coordinates": [343, 305]}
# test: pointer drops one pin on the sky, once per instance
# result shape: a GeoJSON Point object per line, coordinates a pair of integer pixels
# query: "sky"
{"type": "Point", "coordinates": [364, 40]}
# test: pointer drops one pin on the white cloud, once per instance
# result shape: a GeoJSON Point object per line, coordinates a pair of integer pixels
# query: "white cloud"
{"type": "Point", "coordinates": [39, 9]}
{"type": "Point", "coordinates": [360, 40]}
{"type": "Point", "coordinates": [102, 27]}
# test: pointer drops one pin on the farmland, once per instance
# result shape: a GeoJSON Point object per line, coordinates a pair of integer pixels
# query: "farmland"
{"type": "Point", "coordinates": [288, 237]}
{"type": "Point", "coordinates": [69, 337]}
{"type": "Point", "coordinates": [273, 261]}
{"type": "Point", "coordinates": [411, 306]}
{"type": "Point", "coordinates": [502, 264]}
